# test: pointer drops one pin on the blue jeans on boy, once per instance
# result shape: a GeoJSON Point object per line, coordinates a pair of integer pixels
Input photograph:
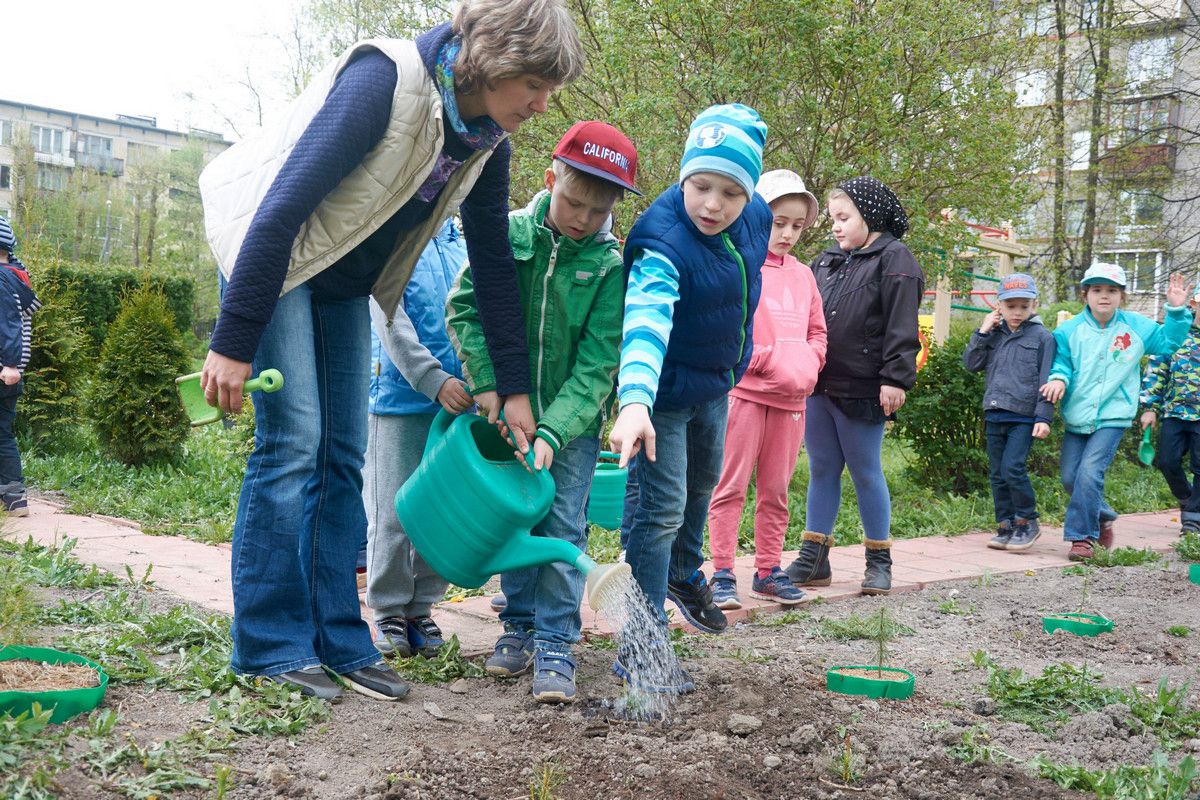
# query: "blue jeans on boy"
{"type": "Point", "coordinates": [631, 501]}
{"type": "Point", "coordinates": [666, 540]}
{"type": "Point", "coordinates": [300, 516]}
{"type": "Point", "coordinates": [1178, 438]}
{"type": "Point", "coordinates": [546, 599]}
{"type": "Point", "coordinates": [10, 456]}
{"type": "Point", "coordinates": [1008, 446]}
{"type": "Point", "coordinates": [1085, 459]}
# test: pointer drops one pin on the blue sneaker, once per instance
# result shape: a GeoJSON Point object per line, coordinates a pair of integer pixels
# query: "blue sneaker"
{"type": "Point", "coordinates": [778, 587]}
{"type": "Point", "coordinates": [724, 590]}
{"type": "Point", "coordinates": [424, 636]}
{"type": "Point", "coordinates": [553, 675]}
{"type": "Point", "coordinates": [513, 655]}
{"type": "Point", "coordinates": [393, 637]}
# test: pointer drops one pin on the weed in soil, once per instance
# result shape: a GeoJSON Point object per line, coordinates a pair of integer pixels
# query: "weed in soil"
{"type": "Point", "coordinates": [447, 666]}
{"type": "Point", "coordinates": [1188, 546]}
{"type": "Point", "coordinates": [1045, 701]}
{"type": "Point", "coordinates": [1179, 630]}
{"type": "Point", "coordinates": [974, 747]}
{"type": "Point", "coordinates": [950, 606]}
{"type": "Point", "coordinates": [779, 620]}
{"type": "Point", "coordinates": [1122, 557]}
{"type": "Point", "coordinates": [1078, 570]}
{"type": "Point", "coordinates": [1155, 781]}
{"type": "Point", "coordinates": [547, 778]}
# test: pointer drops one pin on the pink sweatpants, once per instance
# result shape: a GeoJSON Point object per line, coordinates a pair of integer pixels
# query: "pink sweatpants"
{"type": "Point", "coordinates": [769, 438]}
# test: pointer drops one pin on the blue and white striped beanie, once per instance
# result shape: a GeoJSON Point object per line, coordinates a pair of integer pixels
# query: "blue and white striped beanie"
{"type": "Point", "coordinates": [728, 140]}
{"type": "Point", "coordinates": [8, 239]}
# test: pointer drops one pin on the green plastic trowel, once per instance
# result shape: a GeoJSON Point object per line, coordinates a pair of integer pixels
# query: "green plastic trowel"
{"type": "Point", "coordinates": [197, 407]}
{"type": "Point", "coordinates": [1146, 448]}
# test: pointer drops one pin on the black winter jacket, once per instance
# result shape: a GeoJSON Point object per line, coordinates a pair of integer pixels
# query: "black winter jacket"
{"type": "Point", "coordinates": [871, 296]}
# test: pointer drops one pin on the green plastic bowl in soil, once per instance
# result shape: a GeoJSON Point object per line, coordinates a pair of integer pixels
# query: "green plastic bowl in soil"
{"type": "Point", "coordinates": [886, 683]}
{"type": "Point", "coordinates": [1194, 573]}
{"type": "Point", "coordinates": [1079, 624]}
{"type": "Point", "coordinates": [66, 702]}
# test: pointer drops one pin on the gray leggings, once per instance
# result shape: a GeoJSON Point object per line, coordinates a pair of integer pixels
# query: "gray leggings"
{"type": "Point", "coordinates": [399, 582]}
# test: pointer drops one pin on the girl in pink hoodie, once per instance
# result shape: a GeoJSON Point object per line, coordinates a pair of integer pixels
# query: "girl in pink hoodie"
{"type": "Point", "coordinates": [766, 408]}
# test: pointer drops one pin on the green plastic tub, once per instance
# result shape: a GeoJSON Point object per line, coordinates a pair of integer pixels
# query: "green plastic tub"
{"type": "Point", "coordinates": [1079, 624]}
{"type": "Point", "coordinates": [1194, 573]}
{"type": "Point", "coordinates": [66, 703]}
{"type": "Point", "coordinates": [877, 688]}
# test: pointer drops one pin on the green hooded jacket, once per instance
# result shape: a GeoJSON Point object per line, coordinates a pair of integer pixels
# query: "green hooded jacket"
{"type": "Point", "coordinates": [573, 296]}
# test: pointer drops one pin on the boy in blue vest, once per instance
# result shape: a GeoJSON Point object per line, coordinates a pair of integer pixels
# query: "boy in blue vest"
{"type": "Point", "coordinates": [694, 260]}
{"type": "Point", "coordinates": [415, 372]}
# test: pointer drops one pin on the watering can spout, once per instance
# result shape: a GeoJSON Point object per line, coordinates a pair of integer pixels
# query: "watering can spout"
{"type": "Point", "coordinates": [533, 551]}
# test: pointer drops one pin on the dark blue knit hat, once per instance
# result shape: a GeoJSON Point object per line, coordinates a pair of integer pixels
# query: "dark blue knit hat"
{"type": "Point", "coordinates": [8, 239]}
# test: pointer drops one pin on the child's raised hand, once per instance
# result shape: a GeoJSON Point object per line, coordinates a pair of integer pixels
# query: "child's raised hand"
{"type": "Point", "coordinates": [990, 321]}
{"type": "Point", "coordinates": [1040, 430]}
{"type": "Point", "coordinates": [454, 396]}
{"type": "Point", "coordinates": [1053, 391]}
{"type": "Point", "coordinates": [630, 431]}
{"type": "Point", "coordinates": [1148, 419]}
{"type": "Point", "coordinates": [1176, 291]}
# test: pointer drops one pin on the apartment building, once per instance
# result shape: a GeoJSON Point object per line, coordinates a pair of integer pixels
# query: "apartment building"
{"type": "Point", "coordinates": [1149, 148]}
{"type": "Point", "coordinates": [65, 140]}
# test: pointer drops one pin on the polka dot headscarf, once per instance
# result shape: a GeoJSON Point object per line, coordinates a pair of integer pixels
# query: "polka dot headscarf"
{"type": "Point", "coordinates": [878, 205]}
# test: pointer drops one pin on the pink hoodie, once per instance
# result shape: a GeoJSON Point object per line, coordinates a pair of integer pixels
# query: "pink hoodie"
{"type": "Point", "coordinates": [789, 337]}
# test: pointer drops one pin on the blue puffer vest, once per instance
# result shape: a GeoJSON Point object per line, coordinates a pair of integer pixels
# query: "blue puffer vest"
{"type": "Point", "coordinates": [425, 305]}
{"type": "Point", "coordinates": [719, 281]}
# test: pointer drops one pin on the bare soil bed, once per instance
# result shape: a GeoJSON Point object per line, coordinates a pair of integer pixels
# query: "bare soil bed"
{"type": "Point", "coordinates": [761, 723]}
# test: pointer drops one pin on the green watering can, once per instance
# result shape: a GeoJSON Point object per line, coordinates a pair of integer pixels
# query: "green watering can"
{"type": "Point", "coordinates": [198, 409]}
{"type": "Point", "coordinates": [606, 501]}
{"type": "Point", "coordinates": [469, 507]}
{"type": "Point", "coordinates": [1146, 448]}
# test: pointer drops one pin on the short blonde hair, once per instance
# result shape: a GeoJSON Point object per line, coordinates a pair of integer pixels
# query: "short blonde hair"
{"type": "Point", "coordinates": [507, 38]}
{"type": "Point", "coordinates": [835, 193]}
{"type": "Point", "coordinates": [597, 189]}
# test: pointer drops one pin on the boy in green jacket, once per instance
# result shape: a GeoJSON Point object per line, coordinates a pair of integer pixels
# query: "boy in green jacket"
{"type": "Point", "coordinates": [572, 286]}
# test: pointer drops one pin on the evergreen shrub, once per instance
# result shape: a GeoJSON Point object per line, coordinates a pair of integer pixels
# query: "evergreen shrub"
{"type": "Point", "coordinates": [49, 410]}
{"type": "Point", "coordinates": [942, 423]}
{"type": "Point", "coordinates": [132, 402]}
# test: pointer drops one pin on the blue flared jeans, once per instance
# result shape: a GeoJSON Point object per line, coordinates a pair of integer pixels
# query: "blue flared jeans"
{"type": "Point", "coordinates": [1085, 460]}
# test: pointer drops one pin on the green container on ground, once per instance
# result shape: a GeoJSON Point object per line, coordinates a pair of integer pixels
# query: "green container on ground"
{"type": "Point", "coordinates": [469, 508]}
{"type": "Point", "coordinates": [66, 703]}
{"type": "Point", "coordinates": [1079, 624]}
{"type": "Point", "coordinates": [1194, 573]}
{"type": "Point", "coordinates": [606, 501]}
{"type": "Point", "coordinates": [875, 688]}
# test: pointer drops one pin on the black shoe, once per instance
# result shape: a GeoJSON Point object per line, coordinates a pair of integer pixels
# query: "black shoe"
{"type": "Point", "coordinates": [1025, 533]}
{"type": "Point", "coordinates": [695, 600]}
{"type": "Point", "coordinates": [811, 567]}
{"type": "Point", "coordinates": [311, 681]}
{"type": "Point", "coordinates": [16, 504]}
{"type": "Point", "coordinates": [878, 579]}
{"type": "Point", "coordinates": [1004, 532]}
{"type": "Point", "coordinates": [380, 682]}
{"type": "Point", "coordinates": [393, 637]}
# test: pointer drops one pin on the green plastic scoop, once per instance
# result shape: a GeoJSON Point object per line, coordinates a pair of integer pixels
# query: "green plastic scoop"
{"type": "Point", "coordinates": [198, 409]}
{"type": "Point", "coordinates": [1146, 448]}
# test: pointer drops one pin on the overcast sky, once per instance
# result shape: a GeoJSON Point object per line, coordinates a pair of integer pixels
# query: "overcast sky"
{"type": "Point", "coordinates": [142, 56]}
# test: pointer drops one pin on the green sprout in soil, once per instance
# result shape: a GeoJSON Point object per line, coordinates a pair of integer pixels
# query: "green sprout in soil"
{"type": "Point", "coordinates": [950, 606]}
{"type": "Point", "coordinates": [856, 627]}
{"type": "Point", "coordinates": [750, 656]}
{"type": "Point", "coordinates": [846, 766]}
{"type": "Point", "coordinates": [974, 747]}
{"type": "Point", "coordinates": [1179, 630]}
{"type": "Point", "coordinates": [685, 645]}
{"type": "Point", "coordinates": [1122, 557]}
{"type": "Point", "coordinates": [547, 778]}
{"type": "Point", "coordinates": [786, 618]}
{"type": "Point", "coordinates": [884, 633]}
{"type": "Point", "coordinates": [1077, 570]}
{"type": "Point", "coordinates": [1188, 546]}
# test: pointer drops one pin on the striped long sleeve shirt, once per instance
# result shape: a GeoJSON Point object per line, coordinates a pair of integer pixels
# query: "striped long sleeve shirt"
{"type": "Point", "coordinates": [650, 301]}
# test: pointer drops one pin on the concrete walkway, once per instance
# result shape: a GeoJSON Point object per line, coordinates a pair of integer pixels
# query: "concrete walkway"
{"type": "Point", "coordinates": [199, 572]}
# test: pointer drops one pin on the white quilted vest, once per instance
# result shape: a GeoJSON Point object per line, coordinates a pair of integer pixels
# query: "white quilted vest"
{"type": "Point", "coordinates": [233, 185]}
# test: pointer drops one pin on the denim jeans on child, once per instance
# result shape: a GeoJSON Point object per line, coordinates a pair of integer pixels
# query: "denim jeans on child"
{"type": "Point", "coordinates": [1085, 459]}
{"type": "Point", "coordinates": [666, 540]}
{"type": "Point", "coordinates": [1178, 438]}
{"type": "Point", "coordinates": [546, 599]}
{"type": "Point", "coordinates": [300, 515]}
{"type": "Point", "coordinates": [631, 501]}
{"type": "Point", "coordinates": [10, 456]}
{"type": "Point", "coordinates": [1008, 446]}
{"type": "Point", "coordinates": [835, 441]}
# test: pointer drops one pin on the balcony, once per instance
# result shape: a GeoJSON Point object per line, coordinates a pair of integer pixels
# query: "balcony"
{"type": "Point", "coordinates": [53, 159]}
{"type": "Point", "coordinates": [105, 165]}
{"type": "Point", "coordinates": [1135, 160]}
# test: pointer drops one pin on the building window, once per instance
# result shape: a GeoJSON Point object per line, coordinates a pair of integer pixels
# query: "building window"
{"type": "Point", "coordinates": [47, 140]}
{"type": "Point", "coordinates": [51, 178]}
{"type": "Point", "coordinates": [1140, 208]}
{"type": "Point", "coordinates": [1081, 146]}
{"type": "Point", "coordinates": [1088, 13]}
{"type": "Point", "coordinates": [1143, 269]}
{"type": "Point", "coordinates": [5, 177]}
{"type": "Point", "coordinates": [1037, 19]}
{"type": "Point", "coordinates": [137, 153]}
{"type": "Point", "coordinates": [1031, 89]}
{"type": "Point", "coordinates": [97, 145]}
{"type": "Point", "coordinates": [6, 134]}
{"type": "Point", "coordinates": [1151, 60]}
{"type": "Point", "coordinates": [1074, 217]}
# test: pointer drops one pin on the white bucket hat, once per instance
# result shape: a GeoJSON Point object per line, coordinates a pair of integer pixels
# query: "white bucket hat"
{"type": "Point", "coordinates": [780, 182]}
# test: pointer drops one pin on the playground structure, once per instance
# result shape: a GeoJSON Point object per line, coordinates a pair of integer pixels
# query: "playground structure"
{"type": "Point", "coordinates": [1000, 242]}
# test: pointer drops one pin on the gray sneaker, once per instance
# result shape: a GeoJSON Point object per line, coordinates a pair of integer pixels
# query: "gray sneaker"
{"type": "Point", "coordinates": [513, 655]}
{"type": "Point", "coordinates": [311, 681]}
{"type": "Point", "coordinates": [1004, 532]}
{"type": "Point", "coordinates": [379, 681]}
{"type": "Point", "coordinates": [1025, 533]}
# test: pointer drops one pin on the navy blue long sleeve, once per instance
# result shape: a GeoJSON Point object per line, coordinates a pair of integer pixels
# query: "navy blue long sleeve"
{"type": "Point", "coordinates": [351, 122]}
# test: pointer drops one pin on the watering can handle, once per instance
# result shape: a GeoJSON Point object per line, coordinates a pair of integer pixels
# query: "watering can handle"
{"type": "Point", "coordinates": [269, 380]}
{"type": "Point", "coordinates": [529, 459]}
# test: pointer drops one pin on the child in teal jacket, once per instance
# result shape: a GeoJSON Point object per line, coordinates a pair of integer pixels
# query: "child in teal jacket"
{"type": "Point", "coordinates": [1096, 369]}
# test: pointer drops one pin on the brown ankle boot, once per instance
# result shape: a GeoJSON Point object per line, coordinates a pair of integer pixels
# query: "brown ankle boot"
{"type": "Point", "coordinates": [811, 567]}
{"type": "Point", "coordinates": [878, 579]}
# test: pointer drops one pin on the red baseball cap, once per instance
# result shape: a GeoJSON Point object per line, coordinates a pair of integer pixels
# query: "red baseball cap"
{"type": "Point", "coordinates": [599, 149]}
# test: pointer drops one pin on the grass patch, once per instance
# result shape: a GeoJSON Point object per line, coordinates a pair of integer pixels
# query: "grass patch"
{"type": "Point", "coordinates": [448, 665]}
{"type": "Point", "coordinates": [1122, 557]}
{"type": "Point", "coordinates": [1188, 546]}
{"type": "Point", "coordinates": [865, 627]}
{"type": "Point", "coordinates": [1157, 780]}
{"type": "Point", "coordinates": [778, 620]}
